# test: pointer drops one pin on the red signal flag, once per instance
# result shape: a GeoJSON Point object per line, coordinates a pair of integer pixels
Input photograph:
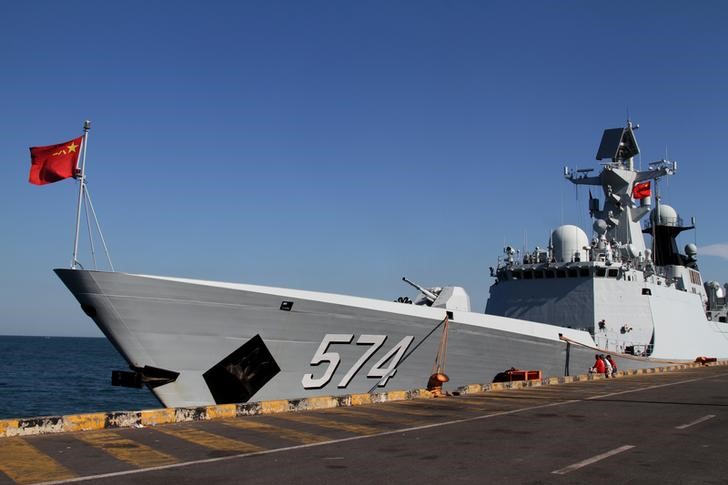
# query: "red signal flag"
{"type": "Point", "coordinates": [52, 163]}
{"type": "Point", "coordinates": [640, 191]}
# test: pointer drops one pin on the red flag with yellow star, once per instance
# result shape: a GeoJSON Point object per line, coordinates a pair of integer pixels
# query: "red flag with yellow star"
{"type": "Point", "coordinates": [640, 191]}
{"type": "Point", "coordinates": [54, 162]}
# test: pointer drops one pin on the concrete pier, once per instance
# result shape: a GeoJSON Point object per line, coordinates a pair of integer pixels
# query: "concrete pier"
{"type": "Point", "coordinates": [666, 425]}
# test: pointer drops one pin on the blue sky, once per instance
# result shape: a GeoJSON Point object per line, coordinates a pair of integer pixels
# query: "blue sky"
{"type": "Point", "coordinates": [337, 146]}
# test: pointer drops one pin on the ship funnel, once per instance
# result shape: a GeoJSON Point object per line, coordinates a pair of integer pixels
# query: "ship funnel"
{"type": "Point", "coordinates": [569, 242]}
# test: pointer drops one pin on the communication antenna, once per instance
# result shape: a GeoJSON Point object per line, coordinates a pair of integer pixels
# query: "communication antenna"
{"type": "Point", "coordinates": [655, 221]}
{"type": "Point", "coordinates": [562, 205]}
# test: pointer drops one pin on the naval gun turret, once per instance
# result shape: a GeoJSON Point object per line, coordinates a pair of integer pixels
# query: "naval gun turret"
{"type": "Point", "coordinates": [429, 295]}
{"type": "Point", "coordinates": [448, 297]}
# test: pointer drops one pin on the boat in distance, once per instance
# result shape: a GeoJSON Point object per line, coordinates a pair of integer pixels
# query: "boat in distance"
{"type": "Point", "coordinates": [196, 342]}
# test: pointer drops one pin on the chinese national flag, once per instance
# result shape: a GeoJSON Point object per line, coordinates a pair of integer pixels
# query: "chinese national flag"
{"type": "Point", "coordinates": [54, 162]}
{"type": "Point", "coordinates": [640, 191]}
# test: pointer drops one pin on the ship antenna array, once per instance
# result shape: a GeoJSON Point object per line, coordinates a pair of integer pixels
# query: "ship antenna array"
{"type": "Point", "coordinates": [84, 200]}
{"type": "Point", "coordinates": [655, 221]}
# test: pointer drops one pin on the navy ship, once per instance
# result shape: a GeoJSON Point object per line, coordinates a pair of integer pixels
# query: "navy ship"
{"type": "Point", "coordinates": [196, 342]}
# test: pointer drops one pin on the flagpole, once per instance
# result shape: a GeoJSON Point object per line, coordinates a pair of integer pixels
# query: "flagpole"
{"type": "Point", "coordinates": [81, 189]}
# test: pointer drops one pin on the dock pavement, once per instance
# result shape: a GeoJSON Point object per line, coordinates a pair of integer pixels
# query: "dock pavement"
{"type": "Point", "coordinates": [666, 425]}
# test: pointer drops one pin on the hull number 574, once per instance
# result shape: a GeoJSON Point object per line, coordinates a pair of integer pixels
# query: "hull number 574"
{"type": "Point", "coordinates": [383, 369]}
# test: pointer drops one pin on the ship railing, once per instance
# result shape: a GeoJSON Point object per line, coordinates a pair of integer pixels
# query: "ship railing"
{"type": "Point", "coordinates": [678, 222]}
{"type": "Point", "coordinates": [623, 346]}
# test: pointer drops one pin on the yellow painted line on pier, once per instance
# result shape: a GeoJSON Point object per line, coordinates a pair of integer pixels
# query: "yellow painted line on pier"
{"type": "Point", "coordinates": [221, 411]}
{"type": "Point", "coordinates": [480, 403]}
{"type": "Point", "coordinates": [6, 425]}
{"type": "Point", "coordinates": [396, 395]}
{"type": "Point", "coordinates": [153, 417]}
{"type": "Point", "coordinates": [281, 432]}
{"type": "Point", "coordinates": [536, 394]}
{"type": "Point", "coordinates": [437, 404]}
{"type": "Point", "coordinates": [416, 410]}
{"type": "Point", "coordinates": [124, 449]}
{"type": "Point", "coordinates": [84, 422]}
{"type": "Point", "coordinates": [547, 389]}
{"type": "Point", "coordinates": [23, 463]}
{"type": "Point", "coordinates": [360, 399]}
{"type": "Point", "coordinates": [328, 423]}
{"type": "Point", "coordinates": [381, 418]}
{"type": "Point", "coordinates": [274, 407]}
{"type": "Point", "coordinates": [209, 440]}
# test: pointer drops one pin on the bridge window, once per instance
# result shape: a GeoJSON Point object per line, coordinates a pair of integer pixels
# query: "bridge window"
{"type": "Point", "coordinates": [694, 277]}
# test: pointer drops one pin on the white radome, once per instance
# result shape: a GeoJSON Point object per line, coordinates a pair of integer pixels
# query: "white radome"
{"type": "Point", "coordinates": [569, 242]}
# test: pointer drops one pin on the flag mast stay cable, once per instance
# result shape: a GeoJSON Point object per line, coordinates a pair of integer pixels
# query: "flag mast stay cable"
{"type": "Point", "coordinates": [81, 189]}
{"type": "Point", "coordinates": [88, 227]}
{"type": "Point", "coordinates": [84, 203]}
{"type": "Point", "coordinates": [87, 192]}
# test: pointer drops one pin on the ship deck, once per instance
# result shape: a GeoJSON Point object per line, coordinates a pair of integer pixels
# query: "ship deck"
{"type": "Point", "coordinates": [666, 427]}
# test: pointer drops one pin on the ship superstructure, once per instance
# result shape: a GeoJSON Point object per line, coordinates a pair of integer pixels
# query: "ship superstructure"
{"type": "Point", "coordinates": [614, 284]}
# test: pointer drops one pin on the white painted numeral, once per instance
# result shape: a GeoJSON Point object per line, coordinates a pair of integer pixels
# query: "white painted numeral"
{"type": "Point", "coordinates": [375, 341]}
{"type": "Point", "coordinates": [333, 358]}
{"type": "Point", "coordinates": [393, 356]}
{"type": "Point", "coordinates": [384, 369]}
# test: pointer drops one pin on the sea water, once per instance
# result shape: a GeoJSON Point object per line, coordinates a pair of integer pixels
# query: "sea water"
{"type": "Point", "coordinates": [51, 376]}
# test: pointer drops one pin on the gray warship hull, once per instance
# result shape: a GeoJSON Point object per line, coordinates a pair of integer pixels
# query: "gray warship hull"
{"type": "Point", "coordinates": [289, 343]}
